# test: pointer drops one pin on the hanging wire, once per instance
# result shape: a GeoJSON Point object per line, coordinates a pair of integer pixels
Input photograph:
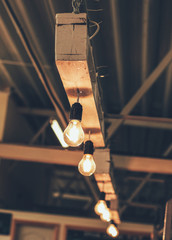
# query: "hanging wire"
{"type": "Point", "coordinates": [76, 6]}
{"type": "Point", "coordinates": [78, 92]}
{"type": "Point", "coordinates": [89, 133]}
{"type": "Point", "coordinates": [97, 30]}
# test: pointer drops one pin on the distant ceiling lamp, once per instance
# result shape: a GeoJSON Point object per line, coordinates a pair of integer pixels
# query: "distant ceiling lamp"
{"type": "Point", "coordinates": [112, 229]}
{"type": "Point", "coordinates": [101, 206]}
{"type": "Point", "coordinates": [106, 215]}
{"type": "Point", "coordinates": [87, 165]}
{"type": "Point", "coordinates": [74, 134]}
{"type": "Point", "coordinates": [58, 132]}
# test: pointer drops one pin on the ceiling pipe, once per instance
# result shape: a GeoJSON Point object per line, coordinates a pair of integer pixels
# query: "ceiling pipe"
{"type": "Point", "coordinates": [37, 65]}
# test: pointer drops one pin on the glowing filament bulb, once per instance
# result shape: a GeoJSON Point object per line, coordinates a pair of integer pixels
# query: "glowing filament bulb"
{"type": "Point", "coordinates": [100, 207]}
{"type": "Point", "coordinates": [74, 134]}
{"type": "Point", "coordinates": [106, 215]}
{"type": "Point", "coordinates": [112, 230]}
{"type": "Point", "coordinates": [87, 165]}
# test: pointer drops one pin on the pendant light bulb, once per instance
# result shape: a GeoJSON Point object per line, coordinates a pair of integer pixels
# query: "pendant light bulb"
{"type": "Point", "coordinates": [101, 206]}
{"type": "Point", "coordinates": [74, 134]}
{"type": "Point", "coordinates": [87, 165]}
{"type": "Point", "coordinates": [106, 215]}
{"type": "Point", "coordinates": [112, 230]}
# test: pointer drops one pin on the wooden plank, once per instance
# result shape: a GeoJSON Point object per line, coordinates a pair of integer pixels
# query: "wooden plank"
{"type": "Point", "coordinates": [59, 156]}
{"type": "Point", "coordinates": [75, 64]}
{"type": "Point", "coordinates": [38, 154]}
{"type": "Point", "coordinates": [78, 222]}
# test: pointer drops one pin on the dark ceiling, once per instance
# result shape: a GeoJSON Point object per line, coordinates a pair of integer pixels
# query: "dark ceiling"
{"type": "Point", "coordinates": [134, 38]}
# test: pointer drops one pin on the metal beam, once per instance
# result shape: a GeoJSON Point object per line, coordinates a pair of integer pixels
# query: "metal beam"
{"type": "Point", "coordinates": [143, 205]}
{"type": "Point", "coordinates": [78, 222]}
{"type": "Point", "coordinates": [71, 158]}
{"type": "Point", "coordinates": [145, 21]}
{"type": "Point", "coordinates": [138, 188]}
{"type": "Point", "coordinates": [142, 164]}
{"type": "Point", "coordinates": [71, 196]}
{"type": "Point", "coordinates": [37, 64]}
{"type": "Point", "coordinates": [117, 45]}
{"type": "Point", "coordinates": [39, 132]}
{"type": "Point", "coordinates": [8, 40]}
{"type": "Point", "coordinates": [36, 111]}
{"type": "Point", "coordinates": [135, 192]}
{"type": "Point", "coordinates": [142, 121]}
{"type": "Point", "coordinates": [149, 81]}
{"type": "Point", "coordinates": [141, 178]}
{"type": "Point", "coordinates": [4, 96]}
{"type": "Point", "coordinates": [21, 63]}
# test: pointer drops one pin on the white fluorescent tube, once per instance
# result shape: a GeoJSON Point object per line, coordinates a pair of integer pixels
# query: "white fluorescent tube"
{"type": "Point", "coordinates": [58, 132]}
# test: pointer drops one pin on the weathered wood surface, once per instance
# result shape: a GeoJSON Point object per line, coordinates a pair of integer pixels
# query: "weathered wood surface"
{"type": "Point", "coordinates": [75, 64]}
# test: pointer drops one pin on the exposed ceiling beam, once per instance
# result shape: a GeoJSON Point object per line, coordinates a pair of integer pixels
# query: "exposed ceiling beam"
{"type": "Point", "coordinates": [78, 222]}
{"type": "Point", "coordinates": [38, 112]}
{"type": "Point", "coordinates": [142, 205]}
{"type": "Point", "coordinates": [157, 180]}
{"type": "Point", "coordinates": [145, 21]}
{"type": "Point", "coordinates": [11, 83]}
{"type": "Point", "coordinates": [71, 196]}
{"type": "Point", "coordinates": [117, 45]}
{"type": "Point", "coordinates": [149, 81]}
{"type": "Point", "coordinates": [168, 87]}
{"type": "Point", "coordinates": [37, 64]}
{"type": "Point", "coordinates": [142, 164]}
{"type": "Point", "coordinates": [141, 121]}
{"type": "Point", "coordinates": [138, 189]}
{"type": "Point", "coordinates": [21, 63]}
{"type": "Point", "coordinates": [135, 192]}
{"type": "Point", "coordinates": [4, 97]}
{"type": "Point", "coordinates": [9, 42]}
{"type": "Point", "coordinates": [71, 158]}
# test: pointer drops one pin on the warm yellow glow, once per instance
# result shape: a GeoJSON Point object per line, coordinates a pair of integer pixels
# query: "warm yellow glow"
{"type": "Point", "coordinates": [112, 230]}
{"type": "Point", "coordinates": [106, 215]}
{"type": "Point", "coordinates": [58, 132]}
{"type": "Point", "coordinates": [100, 207]}
{"type": "Point", "coordinates": [74, 134]}
{"type": "Point", "coordinates": [87, 165]}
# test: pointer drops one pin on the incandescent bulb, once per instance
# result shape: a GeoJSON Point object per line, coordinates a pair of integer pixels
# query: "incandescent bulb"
{"type": "Point", "coordinates": [106, 215]}
{"type": "Point", "coordinates": [74, 134]}
{"type": "Point", "coordinates": [100, 207]}
{"type": "Point", "coordinates": [112, 230]}
{"type": "Point", "coordinates": [87, 165]}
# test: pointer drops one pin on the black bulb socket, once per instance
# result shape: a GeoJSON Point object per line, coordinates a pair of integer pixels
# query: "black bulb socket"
{"type": "Point", "coordinates": [108, 204]}
{"type": "Point", "coordinates": [88, 147]}
{"type": "Point", "coordinates": [76, 111]}
{"type": "Point", "coordinates": [102, 196]}
{"type": "Point", "coordinates": [112, 222]}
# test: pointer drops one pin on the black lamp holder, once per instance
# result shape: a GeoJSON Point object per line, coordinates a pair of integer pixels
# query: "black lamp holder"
{"type": "Point", "coordinates": [112, 222]}
{"type": "Point", "coordinates": [89, 147]}
{"type": "Point", "coordinates": [76, 111]}
{"type": "Point", "coordinates": [102, 196]}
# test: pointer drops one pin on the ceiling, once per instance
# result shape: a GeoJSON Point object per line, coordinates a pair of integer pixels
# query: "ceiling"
{"type": "Point", "coordinates": [134, 38]}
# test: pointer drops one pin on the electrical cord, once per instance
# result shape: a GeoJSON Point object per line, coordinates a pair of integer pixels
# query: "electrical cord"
{"type": "Point", "coordinates": [97, 30]}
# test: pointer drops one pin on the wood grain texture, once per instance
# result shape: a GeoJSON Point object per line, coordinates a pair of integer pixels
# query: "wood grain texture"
{"type": "Point", "coordinates": [75, 64]}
